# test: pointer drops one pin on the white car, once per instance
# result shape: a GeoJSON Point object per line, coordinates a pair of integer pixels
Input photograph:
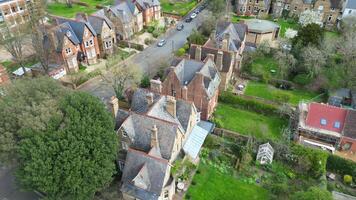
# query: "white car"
{"type": "Point", "coordinates": [194, 15]}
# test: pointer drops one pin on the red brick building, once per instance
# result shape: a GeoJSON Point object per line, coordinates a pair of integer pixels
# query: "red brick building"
{"type": "Point", "coordinates": [4, 77]}
{"type": "Point", "coordinates": [151, 10]}
{"type": "Point", "coordinates": [192, 80]}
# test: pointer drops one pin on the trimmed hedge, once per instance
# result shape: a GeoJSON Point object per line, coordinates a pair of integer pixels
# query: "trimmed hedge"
{"type": "Point", "coordinates": [124, 44]}
{"type": "Point", "coordinates": [341, 166]}
{"type": "Point", "coordinates": [248, 104]}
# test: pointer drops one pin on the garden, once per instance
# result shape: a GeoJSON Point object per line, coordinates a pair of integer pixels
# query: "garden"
{"type": "Point", "coordinates": [178, 7]}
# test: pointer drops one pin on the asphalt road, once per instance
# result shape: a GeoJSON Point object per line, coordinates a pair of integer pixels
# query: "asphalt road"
{"type": "Point", "coordinates": [148, 60]}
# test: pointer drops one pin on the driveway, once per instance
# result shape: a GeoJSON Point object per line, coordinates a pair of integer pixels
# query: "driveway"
{"type": "Point", "coordinates": [148, 60]}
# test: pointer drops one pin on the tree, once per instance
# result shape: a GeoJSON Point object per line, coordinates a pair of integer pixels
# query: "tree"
{"type": "Point", "coordinates": [27, 104]}
{"type": "Point", "coordinates": [208, 24]}
{"type": "Point", "coordinates": [310, 17]}
{"type": "Point", "coordinates": [347, 179]}
{"type": "Point", "coordinates": [311, 34]}
{"type": "Point", "coordinates": [313, 193]}
{"type": "Point", "coordinates": [217, 7]}
{"type": "Point", "coordinates": [313, 60]}
{"type": "Point", "coordinates": [196, 38]}
{"type": "Point", "coordinates": [121, 76]}
{"type": "Point", "coordinates": [75, 156]}
{"type": "Point", "coordinates": [286, 62]}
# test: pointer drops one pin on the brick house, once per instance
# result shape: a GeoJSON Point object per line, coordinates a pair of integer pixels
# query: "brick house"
{"type": "Point", "coordinates": [226, 44]}
{"type": "Point", "coordinates": [153, 133]}
{"type": "Point", "coordinates": [295, 7]}
{"type": "Point", "coordinates": [105, 31]}
{"type": "Point", "coordinates": [4, 77]}
{"type": "Point", "coordinates": [192, 80]}
{"type": "Point", "coordinates": [13, 12]}
{"type": "Point", "coordinates": [349, 9]}
{"type": "Point", "coordinates": [252, 7]}
{"type": "Point", "coordinates": [125, 16]}
{"type": "Point", "coordinates": [88, 42]}
{"type": "Point", "coordinates": [326, 127]}
{"type": "Point", "coordinates": [330, 10]}
{"type": "Point", "coordinates": [151, 10]}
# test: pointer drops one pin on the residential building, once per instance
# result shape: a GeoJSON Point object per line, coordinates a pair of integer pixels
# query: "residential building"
{"type": "Point", "coordinates": [192, 80]}
{"type": "Point", "coordinates": [13, 12]}
{"type": "Point", "coordinates": [326, 127]}
{"type": "Point", "coordinates": [293, 8]}
{"type": "Point", "coordinates": [261, 31]}
{"type": "Point", "coordinates": [226, 46]}
{"type": "Point", "coordinates": [265, 154]}
{"type": "Point", "coordinates": [252, 7]}
{"type": "Point", "coordinates": [151, 10]}
{"type": "Point", "coordinates": [126, 17]}
{"type": "Point", "coordinates": [105, 31]}
{"type": "Point", "coordinates": [155, 131]}
{"type": "Point", "coordinates": [330, 10]}
{"type": "Point", "coordinates": [349, 8]}
{"type": "Point", "coordinates": [4, 77]}
{"type": "Point", "coordinates": [89, 51]}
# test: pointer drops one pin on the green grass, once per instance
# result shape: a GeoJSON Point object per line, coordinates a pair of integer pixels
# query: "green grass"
{"type": "Point", "coordinates": [331, 35]}
{"type": "Point", "coordinates": [236, 19]}
{"type": "Point", "coordinates": [213, 185]}
{"type": "Point", "coordinates": [178, 7]}
{"type": "Point", "coordinates": [285, 24]}
{"type": "Point", "coordinates": [10, 66]}
{"type": "Point", "coordinates": [263, 65]}
{"type": "Point", "coordinates": [271, 93]}
{"type": "Point", "coordinates": [249, 123]}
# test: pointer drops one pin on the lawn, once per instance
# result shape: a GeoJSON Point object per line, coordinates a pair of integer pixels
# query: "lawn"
{"type": "Point", "coordinates": [264, 65]}
{"type": "Point", "coordinates": [249, 123]}
{"type": "Point", "coordinates": [271, 93]}
{"type": "Point", "coordinates": [178, 7]}
{"type": "Point", "coordinates": [10, 66]}
{"type": "Point", "coordinates": [236, 19]}
{"type": "Point", "coordinates": [285, 24]}
{"type": "Point", "coordinates": [213, 185]}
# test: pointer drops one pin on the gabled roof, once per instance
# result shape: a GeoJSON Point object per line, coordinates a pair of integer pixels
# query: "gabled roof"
{"type": "Point", "coordinates": [139, 102]}
{"type": "Point", "coordinates": [350, 124]}
{"type": "Point", "coordinates": [322, 116]}
{"type": "Point", "coordinates": [336, 4]}
{"type": "Point", "coordinates": [237, 32]}
{"type": "Point", "coordinates": [97, 22]}
{"type": "Point", "coordinates": [61, 31]}
{"type": "Point", "coordinates": [147, 171]}
{"type": "Point", "coordinates": [77, 26]}
{"type": "Point", "coordinates": [144, 4]}
{"type": "Point", "coordinates": [124, 10]}
{"type": "Point", "coordinates": [351, 4]}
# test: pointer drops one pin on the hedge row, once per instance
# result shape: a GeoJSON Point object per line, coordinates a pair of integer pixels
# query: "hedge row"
{"type": "Point", "coordinates": [248, 104]}
{"type": "Point", "coordinates": [341, 166]}
{"type": "Point", "coordinates": [124, 44]}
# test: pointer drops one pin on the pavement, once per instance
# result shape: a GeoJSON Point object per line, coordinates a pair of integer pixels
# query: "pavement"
{"type": "Point", "coordinates": [149, 59]}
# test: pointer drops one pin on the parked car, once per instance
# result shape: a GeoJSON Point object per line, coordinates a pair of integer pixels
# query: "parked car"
{"type": "Point", "coordinates": [188, 20]}
{"type": "Point", "coordinates": [180, 27]}
{"type": "Point", "coordinates": [193, 15]}
{"type": "Point", "coordinates": [161, 43]}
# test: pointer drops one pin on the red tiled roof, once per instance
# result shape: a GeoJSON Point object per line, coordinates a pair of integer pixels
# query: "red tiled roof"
{"type": "Point", "coordinates": [331, 114]}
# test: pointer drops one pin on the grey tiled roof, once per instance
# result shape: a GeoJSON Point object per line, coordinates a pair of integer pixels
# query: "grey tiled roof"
{"type": "Point", "coordinates": [139, 102]}
{"type": "Point", "coordinates": [350, 124]}
{"type": "Point", "coordinates": [138, 128]}
{"type": "Point", "coordinates": [77, 26]}
{"type": "Point", "coordinates": [351, 4]}
{"type": "Point", "coordinates": [97, 23]}
{"type": "Point", "coordinates": [124, 10]}
{"type": "Point", "coordinates": [237, 33]}
{"type": "Point", "coordinates": [152, 172]}
{"type": "Point", "coordinates": [186, 70]}
{"type": "Point", "coordinates": [148, 3]}
{"type": "Point", "coordinates": [261, 26]}
{"type": "Point", "coordinates": [121, 116]}
{"type": "Point", "coordinates": [64, 30]}
{"type": "Point", "coordinates": [338, 4]}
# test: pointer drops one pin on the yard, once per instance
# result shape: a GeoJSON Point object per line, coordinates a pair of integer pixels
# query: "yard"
{"type": "Point", "coordinates": [61, 9]}
{"type": "Point", "coordinates": [285, 24]}
{"type": "Point", "coordinates": [237, 19]}
{"type": "Point", "coordinates": [274, 94]}
{"type": "Point", "coordinates": [178, 7]}
{"type": "Point", "coordinates": [213, 185]}
{"type": "Point", "coordinates": [249, 123]}
{"type": "Point", "coordinates": [263, 65]}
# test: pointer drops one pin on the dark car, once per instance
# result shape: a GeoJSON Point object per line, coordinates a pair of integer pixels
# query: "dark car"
{"type": "Point", "coordinates": [161, 43]}
{"type": "Point", "coordinates": [188, 20]}
{"type": "Point", "coordinates": [180, 27]}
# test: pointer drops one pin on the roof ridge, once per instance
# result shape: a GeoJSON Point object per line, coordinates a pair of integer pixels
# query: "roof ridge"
{"type": "Point", "coordinates": [162, 160]}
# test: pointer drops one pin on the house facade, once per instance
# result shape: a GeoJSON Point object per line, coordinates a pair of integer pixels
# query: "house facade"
{"type": "Point", "coordinates": [349, 9]}
{"type": "Point", "coordinates": [151, 10]}
{"type": "Point", "coordinates": [252, 7]}
{"type": "Point", "coordinates": [330, 10]}
{"type": "Point", "coordinates": [13, 12]}
{"type": "Point", "coordinates": [192, 80]}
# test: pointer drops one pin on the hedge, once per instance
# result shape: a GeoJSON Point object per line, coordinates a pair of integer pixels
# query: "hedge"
{"type": "Point", "coordinates": [124, 44]}
{"type": "Point", "coordinates": [248, 104]}
{"type": "Point", "coordinates": [341, 166]}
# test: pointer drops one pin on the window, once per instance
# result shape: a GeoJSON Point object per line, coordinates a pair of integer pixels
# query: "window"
{"type": "Point", "coordinates": [321, 8]}
{"type": "Point", "coordinates": [350, 11]}
{"type": "Point", "coordinates": [124, 145]}
{"type": "Point", "coordinates": [323, 122]}
{"type": "Point", "coordinates": [124, 134]}
{"type": "Point", "coordinates": [166, 195]}
{"type": "Point", "coordinates": [108, 44]}
{"type": "Point", "coordinates": [87, 44]}
{"type": "Point", "coordinates": [330, 17]}
{"type": "Point", "coordinates": [91, 42]}
{"type": "Point", "coordinates": [295, 8]}
{"type": "Point", "coordinates": [337, 124]}
{"type": "Point", "coordinates": [68, 51]}
{"type": "Point", "coordinates": [13, 9]}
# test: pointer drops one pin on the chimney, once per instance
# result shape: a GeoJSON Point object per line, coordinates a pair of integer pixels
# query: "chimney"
{"type": "Point", "coordinates": [149, 98]}
{"type": "Point", "coordinates": [185, 93]}
{"type": "Point", "coordinates": [171, 106]}
{"type": "Point", "coordinates": [156, 86]}
{"type": "Point", "coordinates": [81, 17]}
{"type": "Point", "coordinates": [226, 42]}
{"type": "Point", "coordinates": [219, 60]}
{"type": "Point", "coordinates": [213, 35]}
{"type": "Point", "coordinates": [154, 136]}
{"type": "Point", "coordinates": [114, 105]}
{"type": "Point", "coordinates": [211, 56]}
{"type": "Point", "coordinates": [198, 53]}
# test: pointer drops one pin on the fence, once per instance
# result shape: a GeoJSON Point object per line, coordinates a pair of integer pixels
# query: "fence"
{"type": "Point", "coordinates": [229, 134]}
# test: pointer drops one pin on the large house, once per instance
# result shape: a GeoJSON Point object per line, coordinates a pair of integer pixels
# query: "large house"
{"type": "Point", "coordinates": [151, 10]}
{"type": "Point", "coordinates": [192, 80]}
{"type": "Point", "coordinates": [226, 45]}
{"type": "Point", "coordinates": [349, 8]}
{"type": "Point", "coordinates": [253, 7]}
{"type": "Point", "coordinates": [326, 127]}
{"type": "Point", "coordinates": [13, 12]}
{"type": "Point", "coordinates": [155, 131]}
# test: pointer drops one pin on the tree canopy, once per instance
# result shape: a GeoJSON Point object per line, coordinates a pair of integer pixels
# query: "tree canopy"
{"type": "Point", "coordinates": [311, 34]}
{"type": "Point", "coordinates": [75, 155]}
{"type": "Point", "coordinates": [313, 193]}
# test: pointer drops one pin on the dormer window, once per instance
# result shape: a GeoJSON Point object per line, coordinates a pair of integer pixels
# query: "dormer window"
{"type": "Point", "coordinates": [323, 122]}
{"type": "Point", "coordinates": [124, 134]}
{"type": "Point", "coordinates": [337, 124]}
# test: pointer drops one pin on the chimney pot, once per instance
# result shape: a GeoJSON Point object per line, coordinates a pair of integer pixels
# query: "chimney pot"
{"type": "Point", "coordinates": [185, 93]}
{"type": "Point", "coordinates": [149, 98]}
{"type": "Point", "coordinates": [154, 136]}
{"type": "Point", "coordinates": [211, 56]}
{"type": "Point", "coordinates": [114, 106]}
{"type": "Point", "coordinates": [198, 53]}
{"type": "Point", "coordinates": [156, 86]}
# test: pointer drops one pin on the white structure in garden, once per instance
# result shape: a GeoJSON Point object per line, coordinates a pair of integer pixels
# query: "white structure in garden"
{"type": "Point", "coordinates": [290, 33]}
{"type": "Point", "coordinates": [310, 17]}
{"type": "Point", "coordinates": [265, 154]}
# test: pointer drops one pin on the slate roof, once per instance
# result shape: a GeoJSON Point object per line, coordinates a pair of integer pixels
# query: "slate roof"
{"type": "Point", "coordinates": [350, 124]}
{"type": "Point", "coordinates": [237, 33]}
{"type": "Point", "coordinates": [351, 4]}
{"type": "Point", "coordinates": [148, 3]}
{"type": "Point", "coordinates": [353, 96]}
{"type": "Point", "coordinates": [261, 26]}
{"type": "Point", "coordinates": [336, 4]}
{"type": "Point", "coordinates": [228, 58]}
{"type": "Point", "coordinates": [151, 170]}
{"type": "Point", "coordinates": [97, 22]}
{"type": "Point", "coordinates": [308, 1]}
{"type": "Point", "coordinates": [64, 30]}
{"type": "Point", "coordinates": [139, 102]}
{"type": "Point", "coordinates": [187, 70]}
{"type": "Point", "coordinates": [124, 10]}
{"type": "Point", "coordinates": [77, 26]}
{"type": "Point", "coordinates": [331, 114]}
{"type": "Point", "coordinates": [138, 128]}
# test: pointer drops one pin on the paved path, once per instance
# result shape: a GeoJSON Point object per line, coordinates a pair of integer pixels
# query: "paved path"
{"type": "Point", "coordinates": [150, 57]}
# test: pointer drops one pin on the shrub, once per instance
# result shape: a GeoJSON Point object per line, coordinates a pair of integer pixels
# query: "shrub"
{"type": "Point", "coordinates": [340, 165]}
{"type": "Point", "coordinates": [347, 179]}
{"type": "Point", "coordinates": [156, 33]}
{"type": "Point", "coordinates": [302, 79]}
{"type": "Point", "coordinates": [145, 81]}
{"type": "Point", "coordinates": [148, 41]}
{"type": "Point", "coordinates": [150, 29]}
{"type": "Point", "coordinates": [186, 46]}
{"type": "Point", "coordinates": [180, 52]}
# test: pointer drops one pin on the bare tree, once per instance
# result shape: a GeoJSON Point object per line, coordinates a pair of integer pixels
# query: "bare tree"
{"type": "Point", "coordinates": [286, 62]}
{"type": "Point", "coordinates": [313, 60]}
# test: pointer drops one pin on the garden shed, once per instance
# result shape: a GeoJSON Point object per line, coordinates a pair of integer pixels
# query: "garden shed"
{"type": "Point", "coordinates": [265, 154]}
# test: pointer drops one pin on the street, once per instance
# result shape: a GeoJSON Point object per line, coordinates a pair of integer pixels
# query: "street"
{"type": "Point", "coordinates": [149, 58]}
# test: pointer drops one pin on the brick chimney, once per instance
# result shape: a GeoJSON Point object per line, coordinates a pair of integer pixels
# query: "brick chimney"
{"type": "Point", "coordinates": [149, 98]}
{"type": "Point", "coordinates": [156, 86]}
{"type": "Point", "coordinates": [211, 56]}
{"type": "Point", "coordinates": [154, 136]}
{"type": "Point", "coordinates": [213, 35]}
{"type": "Point", "coordinates": [171, 106]}
{"type": "Point", "coordinates": [198, 53]}
{"type": "Point", "coordinates": [185, 93]}
{"type": "Point", "coordinates": [219, 60]}
{"type": "Point", "coordinates": [226, 42]}
{"type": "Point", "coordinates": [114, 105]}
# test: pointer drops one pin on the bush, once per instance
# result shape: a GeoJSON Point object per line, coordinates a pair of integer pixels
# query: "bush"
{"type": "Point", "coordinates": [302, 79]}
{"type": "Point", "coordinates": [186, 46]}
{"type": "Point", "coordinates": [180, 52]}
{"type": "Point", "coordinates": [145, 81]}
{"type": "Point", "coordinates": [124, 44]}
{"type": "Point", "coordinates": [156, 33]}
{"type": "Point", "coordinates": [347, 179]}
{"type": "Point", "coordinates": [150, 29]}
{"type": "Point", "coordinates": [340, 165]}
{"type": "Point", "coordinates": [148, 41]}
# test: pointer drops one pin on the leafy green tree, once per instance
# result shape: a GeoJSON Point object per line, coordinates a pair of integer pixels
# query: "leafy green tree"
{"type": "Point", "coordinates": [313, 193]}
{"type": "Point", "coordinates": [27, 104]}
{"type": "Point", "coordinates": [217, 7]}
{"type": "Point", "coordinates": [313, 60]}
{"type": "Point", "coordinates": [311, 34]}
{"type": "Point", "coordinates": [196, 38]}
{"type": "Point", "coordinates": [75, 156]}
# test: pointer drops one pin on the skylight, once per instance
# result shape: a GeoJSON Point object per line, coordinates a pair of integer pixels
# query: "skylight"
{"type": "Point", "coordinates": [337, 124]}
{"type": "Point", "coordinates": [323, 122]}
